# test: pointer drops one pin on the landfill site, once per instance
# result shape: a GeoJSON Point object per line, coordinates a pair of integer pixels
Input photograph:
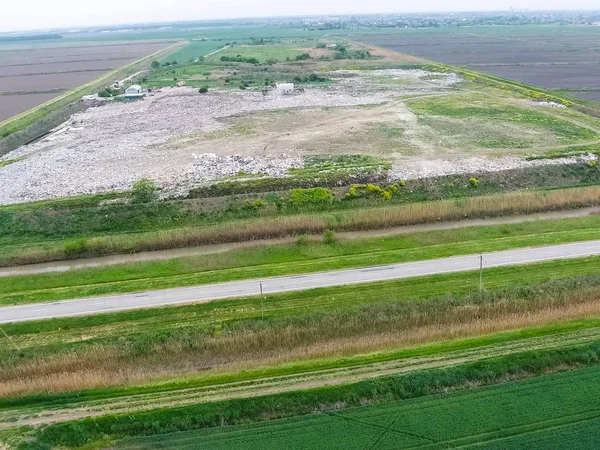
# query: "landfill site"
{"type": "Point", "coordinates": [181, 138]}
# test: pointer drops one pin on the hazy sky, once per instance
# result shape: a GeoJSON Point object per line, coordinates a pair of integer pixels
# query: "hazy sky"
{"type": "Point", "coordinates": [35, 14]}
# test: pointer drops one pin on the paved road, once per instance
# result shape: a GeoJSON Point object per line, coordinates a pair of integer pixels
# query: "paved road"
{"type": "Point", "coordinates": [273, 285]}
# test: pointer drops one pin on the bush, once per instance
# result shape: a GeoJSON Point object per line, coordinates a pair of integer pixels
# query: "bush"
{"type": "Point", "coordinates": [311, 196]}
{"type": "Point", "coordinates": [474, 181]}
{"type": "Point", "coordinates": [302, 240]}
{"type": "Point", "coordinates": [321, 45]}
{"type": "Point", "coordinates": [303, 57]}
{"type": "Point", "coordinates": [155, 65]}
{"type": "Point", "coordinates": [402, 183]}
{"type": "Point", "coordinates": [203, 90]}
{"type": "Point", "coordinates": [329, 237]}
{"type": "Point", "coordinates": [75, 248]}
{"type": "Point", "coordinates": [143, 191]}
{"type": "Point", "coordinates": [592, 164]}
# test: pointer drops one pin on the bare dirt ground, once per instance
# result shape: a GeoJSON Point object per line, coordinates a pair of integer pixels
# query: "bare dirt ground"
{"type": "Point", "coordinates": [30, 76]}
{"type": "Point", "coordinates": [564, 57]}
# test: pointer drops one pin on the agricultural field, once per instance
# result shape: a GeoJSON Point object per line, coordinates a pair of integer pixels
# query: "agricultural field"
{"type": "Point", "coordinates": [554, 57]}
{"type": "Point", "coordinates": [219, 175]}
{"type": "Point", "coordinates": [30, 76]}
{"type": "Point", "coordinates": [514, 421]}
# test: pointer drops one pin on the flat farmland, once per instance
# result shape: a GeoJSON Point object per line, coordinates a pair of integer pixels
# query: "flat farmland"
{"type": "Point", "coordinates": [549, 412]}
{"type": "Point", "coordinates": [31, 76]}
{"type": "Point", "coordinates": [563, 58]}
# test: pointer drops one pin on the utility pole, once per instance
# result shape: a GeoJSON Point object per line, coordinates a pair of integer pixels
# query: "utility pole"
{"type": "Point", "coordinates": [262, 306]}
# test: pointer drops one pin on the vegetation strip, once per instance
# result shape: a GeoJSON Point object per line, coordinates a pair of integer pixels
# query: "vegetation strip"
{"type": "Point", "coordinates": [379, 390]}
{"type": "Point", "coordinates": [50, 408]}
{"type": "Point", "coordinates": [264, 227]}
{"type": "Point", "coordinates": [291, 259]}
{"type": "Point", "coordinates": [563, 414]}
{"type": "Point", "coordinates": [328, 325]}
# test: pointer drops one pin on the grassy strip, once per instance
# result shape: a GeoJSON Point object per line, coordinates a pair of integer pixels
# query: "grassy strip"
{"type": "Point", "coordinates": [8, 162]}
{"type": "Point", "coordinates": [73, 399]}
{"type": "Point", "coordinates": [274, 227]}
{"type": "Point", "coordinates": [288, 259]}
{"type": "Point", "coordinates": [78, 433]}
{"type": "Point", "coordinates": [574, 151]}
{"type": "Point", "coordinates": [222, 332]}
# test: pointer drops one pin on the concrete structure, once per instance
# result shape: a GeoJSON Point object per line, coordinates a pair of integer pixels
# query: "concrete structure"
{"type": "Point", "coordinates": [135, 91]}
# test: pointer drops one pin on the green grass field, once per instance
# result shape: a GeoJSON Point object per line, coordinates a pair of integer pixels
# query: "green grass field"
{"type": "Point", "coordinates": [481, 121]}
{"type": "Point", "coordinates": [193, 50]}
{"type": "Point", "coordinates": [550, 412]}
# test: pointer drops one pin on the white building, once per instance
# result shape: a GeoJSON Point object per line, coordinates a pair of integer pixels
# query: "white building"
{"type": "Point", "coordinates": [285, 88]}
{"type": "Point", "coordinates": [134, 91]}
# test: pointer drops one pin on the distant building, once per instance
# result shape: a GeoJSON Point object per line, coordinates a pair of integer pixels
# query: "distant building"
{"type": "Point", "coordinates": [135, 91]}
{"type": "Point", "coordinates": [285, 88]}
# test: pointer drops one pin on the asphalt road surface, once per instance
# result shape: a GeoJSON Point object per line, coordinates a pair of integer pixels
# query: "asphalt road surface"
{"type": "Point", "coordinates": [205, 293]}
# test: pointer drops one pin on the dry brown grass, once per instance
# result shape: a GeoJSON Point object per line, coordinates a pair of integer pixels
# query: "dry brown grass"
{"type": "Point", "coordinates": [316, 223]}
{"type": "Point", "coordinates": [102, 365]}
{"type": "Point", "coordinates": [355, 220]}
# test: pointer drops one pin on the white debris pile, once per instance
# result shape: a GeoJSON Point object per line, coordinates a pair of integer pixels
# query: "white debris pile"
{"type": "Point", "coordinates": [552, 105]}
{"type": "Point", "coordinates": [109, 147]}
{"type": "Point", "coordinates": [411, 80]}
{"type": "Point", "coordinates": [413, 168]}
{"type": "Point", "coordinates": [211, 166]}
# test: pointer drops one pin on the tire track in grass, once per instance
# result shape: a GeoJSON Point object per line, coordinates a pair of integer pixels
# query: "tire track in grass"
{"type": "Point", "coordinates": [507, 433]}
{"type": "Point", "coordinates": [273, 385]}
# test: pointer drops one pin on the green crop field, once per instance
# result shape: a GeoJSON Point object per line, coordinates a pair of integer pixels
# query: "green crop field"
{"type": "Point", "coordinates": [194, 50]}
{"type": "Point", "coordinates": [551, 412]}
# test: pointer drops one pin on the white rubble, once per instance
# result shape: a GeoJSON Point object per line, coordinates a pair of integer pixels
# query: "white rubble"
{"type": "Point", "coordinates": [424, 168]}
{"type": "Point", "coordinates": [107, 148]}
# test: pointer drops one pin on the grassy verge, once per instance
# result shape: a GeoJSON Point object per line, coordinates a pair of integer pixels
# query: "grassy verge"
{"type": "Point", "coordinates": [267, 226]}
{"type": "Point", "coordinates": [524, 337]}
{"type": "Point", "coordinates": [123, 348]}
{"type": "Point", "coordinates": [380, 390]}
{"type": "Point", "coordinates": [291, 259]}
